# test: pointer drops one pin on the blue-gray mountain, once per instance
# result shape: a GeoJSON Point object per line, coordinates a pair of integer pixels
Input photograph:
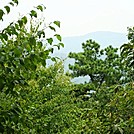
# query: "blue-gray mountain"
{"type": "Point", "coordinates": [104, 38]}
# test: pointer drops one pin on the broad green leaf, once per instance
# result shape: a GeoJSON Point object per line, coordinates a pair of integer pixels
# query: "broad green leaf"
{"type": "Point", "coordinates": [58, 37]}
{"type": "Point", "coordinates": [1, 14]}
{"type": "Point", "coordinates": [57, 23]}
{"type": "Point", "coordinates": [50, 40]}
{"type": "Point", "coordinates": [61, 44]}
{"type": "Point", "coordinates": [33, 13]}
{"type": "Point", "coordinates": [20, 23]}
{"type": "Point", "coordinates": [7, 9]}
{"type": "Point", "coordinates": [41, 8]}
{"type": "Point", "coordinates": [121, 130]}
{"type": "Point", "coordinates": [17, 26]}
{"type": "Point", "coordinates": [24, 19]}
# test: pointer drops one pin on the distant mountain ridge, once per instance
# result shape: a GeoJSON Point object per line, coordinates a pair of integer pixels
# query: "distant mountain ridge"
{"type": "Point", "coordinates": [104, 38]}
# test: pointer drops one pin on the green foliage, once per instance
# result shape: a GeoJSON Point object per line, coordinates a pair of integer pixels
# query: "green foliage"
{"type": "Point", "coordinates": [127, 50]}
{"type": "Point", "coordinates": [58, 37]}
{"type": "Point", "coordinates": [27, 88]}
{"type": "Point", "coordinates": [57, 23]}
{"type": "Point", "coordinates": [101, 65]}
{"type": "Point", "coordinates": [42, 107]}
{"type": "Point", "coordinates": [22, 50]}
{"type": "Point", "coordinates": [106, 102]}
{"type": "Point", "coordinates": [108, 110]}
{"type": "Point", "coordinates": [7, 9]}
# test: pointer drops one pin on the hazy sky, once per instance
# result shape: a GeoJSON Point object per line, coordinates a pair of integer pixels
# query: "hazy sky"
{"type": "Point", "coordinates": [79, 17]}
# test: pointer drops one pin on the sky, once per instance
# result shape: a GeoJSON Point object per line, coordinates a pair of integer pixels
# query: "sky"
{"type": "Point", "coordinates": [79, 17]}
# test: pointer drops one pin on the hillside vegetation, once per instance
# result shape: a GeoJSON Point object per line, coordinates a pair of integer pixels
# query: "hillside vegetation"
{"type": "Point", "coordinates": [40, 99]}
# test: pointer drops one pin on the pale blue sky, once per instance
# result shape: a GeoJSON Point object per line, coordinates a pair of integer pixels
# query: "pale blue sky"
{"type": "Point", "coordinates": [79, 17]}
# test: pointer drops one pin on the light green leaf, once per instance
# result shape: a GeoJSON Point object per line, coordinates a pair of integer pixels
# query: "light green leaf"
{"type": "Point", "coordinates": [50, 41]}
{"type": "Point", "coordinates": [24, 19]}
{"type": "Point", "coordinates": [57, 23]}
{"type": "Point", "coordinates": [61, 44]}
{"type": "Point", "coordinates": [58, 37]}
{"type": "Point", "coordinates": [41, 7]}
{"type": "Point", "coordinates": [33, 13]}
{"type": "Point", "coordinates": [121, 131]}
